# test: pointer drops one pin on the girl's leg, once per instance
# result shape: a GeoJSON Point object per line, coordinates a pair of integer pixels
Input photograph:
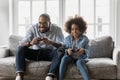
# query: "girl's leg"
{"type": "Point", "coordinates": [63, 66]}
{"type": "Point", "coordinates": [81, 65]}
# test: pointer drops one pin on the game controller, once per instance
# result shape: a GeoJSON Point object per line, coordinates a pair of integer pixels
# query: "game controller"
{"type": "Point", "coordinates": [74, 50]}
{"type": "Point", "coordinates": [40, 38]}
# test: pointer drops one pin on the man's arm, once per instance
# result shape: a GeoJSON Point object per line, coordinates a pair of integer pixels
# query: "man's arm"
{"type": "Point", "coordinates": [26, 44]}
{"type": "Point", "coordinates": [33, 42]}
{"type": "Point", "coordinates": [56, 44]}
{"type": "Point", "coordinates": [59, 38]}
{"type": "Point", "coordinates": [27, 39]}
{"type": "Point", "coordinates": [48, 41]}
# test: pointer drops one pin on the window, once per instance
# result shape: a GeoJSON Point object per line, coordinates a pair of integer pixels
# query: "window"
{"type": "Point", "coordinates": [70, 8]}
{"type": "Point", "coordinates": [30, 10]}
{"type": "Point", "coordinates": [23, 16]}
{"type": "Point", "coordinates": [95, 12]}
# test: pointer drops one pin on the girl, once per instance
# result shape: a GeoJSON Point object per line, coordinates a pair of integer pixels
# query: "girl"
{"type": "Point", "coordinates": [76, 47]}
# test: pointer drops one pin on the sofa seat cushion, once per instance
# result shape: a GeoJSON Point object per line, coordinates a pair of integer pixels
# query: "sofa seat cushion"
{"type": "Point", "coordinates": [34, 69]}
{"type": "Point", "coordinates": [38, 68]}
{"type": "Point", "coordinates": [7, 66]}
{"type": "Point", "coordinates": [99, 68]}
{"type": "Point", "coordinates": [102, 68]}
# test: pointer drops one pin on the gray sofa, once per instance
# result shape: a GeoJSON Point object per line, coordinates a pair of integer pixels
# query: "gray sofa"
{"type": "Point", "coordinates": [104, 61]}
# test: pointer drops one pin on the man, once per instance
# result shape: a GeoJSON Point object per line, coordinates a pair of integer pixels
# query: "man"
{"type": "Point", "coordinates": [40, 43]}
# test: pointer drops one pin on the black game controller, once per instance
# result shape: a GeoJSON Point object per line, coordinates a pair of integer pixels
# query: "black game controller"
{"type": "Point", "coordinates": [40, 38]}
{"type": "Point", "coordinates": [74, 50]}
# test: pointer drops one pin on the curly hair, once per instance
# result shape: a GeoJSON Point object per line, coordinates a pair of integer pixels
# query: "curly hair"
{"type": "Point", "coordinates": [78, 21]}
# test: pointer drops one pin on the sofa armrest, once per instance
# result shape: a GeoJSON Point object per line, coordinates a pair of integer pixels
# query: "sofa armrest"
{"type": "Point", "coordinates": [116, 59]}
{"type": "Point", "coordinates": [116, 55]}
{"type": "Point", "coordinates": [4, 52]}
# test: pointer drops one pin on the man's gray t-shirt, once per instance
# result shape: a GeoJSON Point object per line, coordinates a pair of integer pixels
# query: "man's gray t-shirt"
{"type": "Point", "coordinates": [54, 33]}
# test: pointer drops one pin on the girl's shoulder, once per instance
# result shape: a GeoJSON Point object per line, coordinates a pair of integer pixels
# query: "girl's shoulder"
{"type": "Point", "coordinates": [68, 37]}
{"type": "Point", "coordinates": [85, 37]}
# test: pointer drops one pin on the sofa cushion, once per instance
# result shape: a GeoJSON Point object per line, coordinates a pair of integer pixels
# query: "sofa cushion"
{"type": "Point", "coordinates": [4, 52]}
{"type": "Point", "coordinates": [13, 43]}
{"type": "Point", "coordinates": [34, 68]}
{"type": "Point", "coordinates": [99, 68]}
{"type": "Point", "coordinates": [7, 66]}
{"type": "Point", "coordinates": [101, 47]}
{"type": "Point", "coordinates": [102, 68]}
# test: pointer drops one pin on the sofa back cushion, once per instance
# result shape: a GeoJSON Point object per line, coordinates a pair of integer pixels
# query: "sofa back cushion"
{"type": "Point", "coordinates": [13, 43]}
{"type": "Point", "coordinates": [101, 47]}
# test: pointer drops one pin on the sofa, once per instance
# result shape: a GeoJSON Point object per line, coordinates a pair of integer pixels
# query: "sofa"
{"type": "Point", "coordinates": [104, 62]}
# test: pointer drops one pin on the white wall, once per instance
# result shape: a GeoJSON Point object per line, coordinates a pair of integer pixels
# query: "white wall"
{"type": "Point", "coordinates": [118, 24]}
{"type": "Point", "coordinates": [4, 22]}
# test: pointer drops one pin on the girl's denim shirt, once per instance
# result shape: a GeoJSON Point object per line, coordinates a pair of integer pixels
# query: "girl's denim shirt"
{"type": "Point", "coordinates": [83, 42]}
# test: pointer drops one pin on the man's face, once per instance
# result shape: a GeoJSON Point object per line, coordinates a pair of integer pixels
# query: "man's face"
{"type": "Point", "coordinates": [43, 24]}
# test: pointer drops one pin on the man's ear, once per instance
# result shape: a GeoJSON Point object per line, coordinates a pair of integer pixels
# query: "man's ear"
{"type": "Point", "coordinates": [49, 23]}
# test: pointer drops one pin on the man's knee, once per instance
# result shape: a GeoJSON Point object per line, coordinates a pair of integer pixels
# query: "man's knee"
{"type": "Point", "coordinates": [21, 47]}
{"type": "Point", "coordinates": [20, 50]}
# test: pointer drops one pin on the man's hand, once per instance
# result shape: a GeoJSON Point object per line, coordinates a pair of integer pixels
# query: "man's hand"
{"type": "Point", "coordinates": [81, 51]}
{"type": "Point", "coordinates": [47, 41]}
{"type": "Point", "coordinates": [26, 44]}
{"type": "Point", "coordinates": [35, 41]}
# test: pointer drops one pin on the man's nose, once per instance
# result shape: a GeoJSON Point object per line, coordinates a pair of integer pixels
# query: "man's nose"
{"type": "Point", "coordinates": [41, 25]}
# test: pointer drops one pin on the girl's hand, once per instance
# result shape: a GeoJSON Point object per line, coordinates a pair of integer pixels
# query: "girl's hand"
{"type": "Point", "coordinates": [69, 51]}
{"type": "Point", "coordinates": [81, 51]}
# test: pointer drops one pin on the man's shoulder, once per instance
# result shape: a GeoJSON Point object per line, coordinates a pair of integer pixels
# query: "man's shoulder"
{"type": "Point", "coordinates": [55, 26]}
{"type": "Point", "coordinates": [33, 26]}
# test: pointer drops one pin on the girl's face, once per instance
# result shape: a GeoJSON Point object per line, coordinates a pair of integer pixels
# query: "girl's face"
{"type": "Point", "coordinates": [75, 31]}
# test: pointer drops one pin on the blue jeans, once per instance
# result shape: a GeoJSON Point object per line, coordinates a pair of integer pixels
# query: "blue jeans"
{"type": "Point", "coordinates": [80, 63]}
{"type": "Point", "coordinates": [24, 53]}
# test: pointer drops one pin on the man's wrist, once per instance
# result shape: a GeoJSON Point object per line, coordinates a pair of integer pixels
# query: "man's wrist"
{"type": "Point", "coordinates": [56, 44]}
{"type": "Point", "coordinates": [51, 42]}
{"type": "Point", "coordinates": [29, 44]}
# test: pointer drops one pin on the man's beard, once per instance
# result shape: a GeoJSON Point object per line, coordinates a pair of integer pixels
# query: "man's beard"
{"type": "Point", "coordinates": [44, 31]}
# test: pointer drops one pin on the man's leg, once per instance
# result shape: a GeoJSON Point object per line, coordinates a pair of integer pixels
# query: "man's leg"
{"type": "Point", "coordinates": [22, 53]}
{"type": "Point", "coordinates": [54, 64]}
